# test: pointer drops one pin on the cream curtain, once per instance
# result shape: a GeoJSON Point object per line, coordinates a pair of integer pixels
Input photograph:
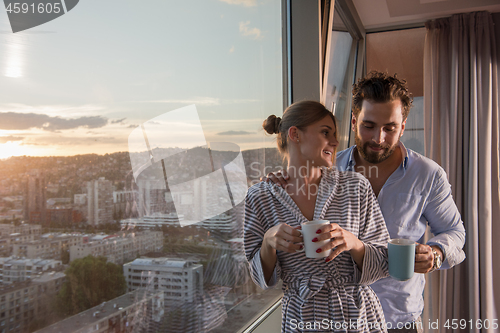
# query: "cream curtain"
{"type": "Point", "coordinates": [461, 107]}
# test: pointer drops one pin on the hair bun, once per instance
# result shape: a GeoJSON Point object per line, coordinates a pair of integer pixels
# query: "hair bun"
{"type": "Point", "coordinates": [277, 123]}
{"type": "Point", "coordinates": [272, 124]}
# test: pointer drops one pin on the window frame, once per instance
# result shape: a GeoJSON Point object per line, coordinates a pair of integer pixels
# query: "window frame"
{"type": "Point", "coordinates": [300, 82]}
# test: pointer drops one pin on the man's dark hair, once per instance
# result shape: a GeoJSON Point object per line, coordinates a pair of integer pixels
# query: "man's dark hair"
{"type": "Point", "coordinates": [380, 87]}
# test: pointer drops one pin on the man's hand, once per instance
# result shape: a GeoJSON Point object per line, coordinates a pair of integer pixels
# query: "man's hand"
{"type": "Point", "coordinates": [424, 258]}
{"type": "Point", "coordinates": [280, 178]}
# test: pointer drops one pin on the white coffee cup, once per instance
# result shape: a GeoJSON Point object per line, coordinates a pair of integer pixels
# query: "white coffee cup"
{"type": "Point", "coordinates": [308, 231]}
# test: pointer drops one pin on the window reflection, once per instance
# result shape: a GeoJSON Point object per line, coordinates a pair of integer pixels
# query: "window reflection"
{"type": "Point", "coordinates": [413, 137]}
{"type": "Point", "coordinates": [340, 55]}
{"type": "Point", "coordinates": [96, 162]}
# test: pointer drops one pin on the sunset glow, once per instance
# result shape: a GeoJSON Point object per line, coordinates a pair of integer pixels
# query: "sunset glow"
{"type": "Point", "coordinates": [9, 149]}
{"type": "Point", "coordinates": [14, 56]}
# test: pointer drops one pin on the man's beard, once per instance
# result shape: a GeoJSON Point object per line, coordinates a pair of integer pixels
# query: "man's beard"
{"type": "Point", "coordinates": [373, 157]}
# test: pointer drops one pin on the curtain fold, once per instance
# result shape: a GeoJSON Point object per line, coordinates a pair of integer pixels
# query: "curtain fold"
{"type": "Point", "coordinates": [461, 107]}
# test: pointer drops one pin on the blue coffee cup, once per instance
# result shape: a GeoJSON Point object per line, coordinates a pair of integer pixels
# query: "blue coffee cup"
{"type": "Point", "coordinates": [401, 258]}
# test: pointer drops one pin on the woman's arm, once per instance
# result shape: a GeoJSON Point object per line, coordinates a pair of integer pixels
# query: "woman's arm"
{"type": "Point", "coordinates": [281, 237]}
{"type": "Point", "coordinates": [261, 245]}
{"type": "Point", "coordinates": [373, 233]}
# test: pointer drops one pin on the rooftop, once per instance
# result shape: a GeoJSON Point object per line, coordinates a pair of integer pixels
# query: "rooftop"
{"type": "Point", "coordinates": [98, 313]}
{"type": "Point", "coordinates": [46, 277]}
{"type": "Point", "coordinates": [26, 261]}
{"type": "Point", "coordinates": [164, 262]}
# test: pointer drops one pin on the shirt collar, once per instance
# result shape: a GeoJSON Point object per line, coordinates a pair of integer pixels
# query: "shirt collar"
{"type": "Point", "coordinates": [351, 162]}
{"type": "Point", "coordinates": [405, 155]}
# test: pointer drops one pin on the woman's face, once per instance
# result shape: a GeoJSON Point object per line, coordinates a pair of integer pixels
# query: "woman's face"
{"type": "Point", "coordinates": [317, 143]}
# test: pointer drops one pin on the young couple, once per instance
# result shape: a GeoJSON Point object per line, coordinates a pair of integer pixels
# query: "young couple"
{"type": "Point", "coordinates": [333, 294]}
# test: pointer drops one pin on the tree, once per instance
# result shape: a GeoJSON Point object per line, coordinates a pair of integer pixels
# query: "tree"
{"type": "Point", "coordinates": [89, 282]}
{"type": "Point", "coordinates": [65, 256]}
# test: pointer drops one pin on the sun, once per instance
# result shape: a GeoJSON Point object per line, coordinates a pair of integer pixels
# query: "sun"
{"type": "Point", "coordinates": [9, 149]}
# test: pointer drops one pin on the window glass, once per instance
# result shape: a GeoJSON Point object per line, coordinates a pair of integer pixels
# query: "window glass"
{"type": "Point", "coordinates": [401, 52]}
{"type": "Point", "coordinates": [413, 137]}
{"type": "Point", "coordinates": [130, 130]}
{"type": "Point", "coordinates": [339, 73]}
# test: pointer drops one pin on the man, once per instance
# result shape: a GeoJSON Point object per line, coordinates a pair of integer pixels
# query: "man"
{"type": "Point", "coordinates": [412, 190]}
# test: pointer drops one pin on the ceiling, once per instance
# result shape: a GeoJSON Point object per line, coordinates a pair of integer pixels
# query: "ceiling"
{"type": "Point", "coordinates": [387, 14]}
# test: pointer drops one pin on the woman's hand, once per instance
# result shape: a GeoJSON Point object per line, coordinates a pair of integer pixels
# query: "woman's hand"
{"type": "Point", "coordinates": [341, 240]}
{"type": "Point", "coordinates": [283, 237]}
{"type": "Point", "coordinates": [279, 178]}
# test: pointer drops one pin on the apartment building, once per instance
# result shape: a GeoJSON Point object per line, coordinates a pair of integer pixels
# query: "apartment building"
{"type": "Point", "coordinates": [7, 243]}
{"type": "Point", "coordinates": [181, 280]}
{"type": "Point", "coordinates": [11, 234]}
{"type": "Point", "coordinates": [48, 247]}
{"type": "Point", "coordinates": [35, 204]}
{"type": "Point", "coordinates": [138, 311]}
{"type": "Point", "coordinates": [123, 203]}
{"type": "Point", "coordinates": [154, 220]}
{"type": "Point", "coordinates": [13, 269]}
{"type": "Point", "coordinates": [100, 201]}
{"type": "Point", "coordinates": [120, 248]}
{"type": "Point", "coordinates": [23, 229]}
{"type": "Point", "coordinates": [22, 303]}
{"type": "Point", "coordinates": [223, 223]}
{"type": "Point", "coordinates": [151, 197]}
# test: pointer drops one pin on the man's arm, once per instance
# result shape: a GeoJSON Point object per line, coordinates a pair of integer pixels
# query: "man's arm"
{"type": "Point", "coordinates": [445, 222]}
{"type": "Point", "coordinates": [279, 178]}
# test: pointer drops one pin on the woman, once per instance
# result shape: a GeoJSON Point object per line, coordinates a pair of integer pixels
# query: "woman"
{"type": "Point", "coordinates": [329, 294]}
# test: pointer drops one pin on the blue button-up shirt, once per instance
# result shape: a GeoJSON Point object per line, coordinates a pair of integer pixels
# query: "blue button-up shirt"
{"type": "Point", "coordinates": [417, 194]}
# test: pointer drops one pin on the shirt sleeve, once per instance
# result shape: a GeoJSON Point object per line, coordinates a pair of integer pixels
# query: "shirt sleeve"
{"type": "Point", "coordinates": [254, 231]}
{"type": "Point", "coordinates": [373, 233]}
{"type": "Point", "coordinates": [445, 222]}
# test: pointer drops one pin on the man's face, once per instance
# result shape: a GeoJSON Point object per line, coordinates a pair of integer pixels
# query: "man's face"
{"type": "Point", "coordinates": [378, 129]}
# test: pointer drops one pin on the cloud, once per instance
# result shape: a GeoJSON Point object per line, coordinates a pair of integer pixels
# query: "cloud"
{"type": "Point", "coordinates": [231, 50]}
{"type": "Point", "coordinates": [246, 3]}
{"type": "Point", "coordinates": [4, 139]}
{"type": "Point", "coordinates": [23, 121]}
{"type": "Point", "coordinates": [118, 121]}
{"type": "Point", "coordinates": [52, 110]}
{"type": "Point", "coordinates": [207, 101]}
{"type": "Point", "coordinates": [60, 140]}
{"type": "Point", "coordinates": [196, 100]}
{"type": "Point", "coordinates": [254, 33]}
{"type": "Point", "coordinates": [235, 133]}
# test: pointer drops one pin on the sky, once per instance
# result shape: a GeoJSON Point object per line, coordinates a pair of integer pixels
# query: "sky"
{"type": "Point", "coordinates": [83, 82]}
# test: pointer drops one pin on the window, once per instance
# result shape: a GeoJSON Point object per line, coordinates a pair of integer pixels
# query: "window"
{"type": "Point", "coordinates": [381, 54]}
{"type": "Point", "coordinates": [222, 57]}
